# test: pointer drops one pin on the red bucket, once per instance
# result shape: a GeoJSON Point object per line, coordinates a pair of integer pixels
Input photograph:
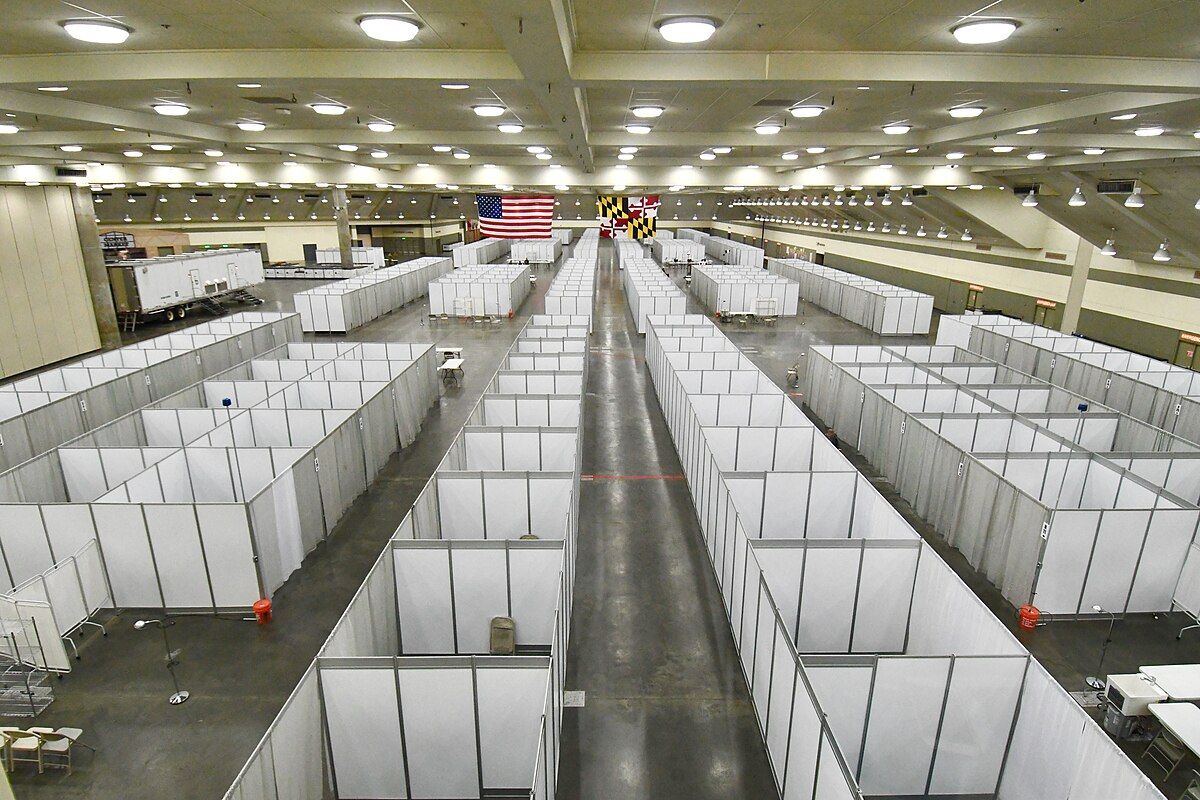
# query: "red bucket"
{"type": "Point", "coordinates": [1029, 617]}
{"type": "Point", "coordinates": [262, 611]}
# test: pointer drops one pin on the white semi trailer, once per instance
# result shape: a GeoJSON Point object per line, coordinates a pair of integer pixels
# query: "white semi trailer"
{"type": "Point", "coordinates": [172, 285]}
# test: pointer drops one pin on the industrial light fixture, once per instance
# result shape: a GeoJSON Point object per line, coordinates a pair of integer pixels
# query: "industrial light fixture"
{"type": "Point", "coordinates": [966, 235]}
{"type": "Point", "coordinates": [647, 112]}
{"type": "Point", "coordinates": [462, 155]}
{"type": "Point", "coordinates": [870, 201]}
{"type": "Point", "coordinates": [214, 153]}
{"type": "Point", "coordinates": [1077, 199]}
{"type": "Point", "coordinates": [1093, 151]}
{"type": "Point", "coordinates": [984, 31]}
{"type": "Point", "coordinates": [388, 28]}
{"type": "Point", "coordinates": [903, 229]}
{"type": "Point", "coordinates": [381, 126]}
{"type": "Point", "coordinates": [1036, 156]}
{"type": "Point", "coordinates": [625, 157]}
{"type": "Point", "coordinates": [1030, 200]}
{"type": "Point", "coordinates": [870, 227]}
{"type": "Point", "coordinates": [1149, 130]}
{"type": "Point", "coordinates": [896, 129]}
{"type": "Point", "coordinates": [887, 199]}
{"type": "Point", "coordinates": [162, 148]}
{"type": "Point", "coordinates": [1124, 117]}
{"type": "Point", "coordinates": [510, 127]}
{"type": "Point", "coordinates": [442, 148]}
{"type": "Point", "coordinates": [921, 232]}
{"type": "Point", "coordinates": [55, 88]}
{"type": "Point", "coordinates": [249, 85]}
{"type": "Point", "coordinates": [791, 156]}
{"type": "Point", "coordinates": [488, 110]}
{"type": "Point", "coordinates": [955, 156]}
{"type": "Point", "coordinates": [1135, 200]}
{"type": "Point", "coordinates": [767, 129]}
{"type": "Point", "coordinates": [816, 151]}
{"type": "Point", "coordinates": [637, 129]}
{"type": "Point", "coordinates": [806, 111]}
{"type": "Point", "coordinates": [171, 109]}
{"type": "Point", "coordinates": [71, 148]}
{"type": "Point", "coordinates": [379, 154]}
{"type": "Point", "coordinates": [965, 112]}
{"type": "Point", "coordinates": [348, 148]}
{"type": "Point", "coordinates": [1003, 148]}
{"type": "Point", "coordinates": [454, 87]}
{"type": "Point", "coordinates": [250, 125]}
{"type": "Point", "coordinates": [906, 200]}
{"type": "Point", "coordinates": [1161, 253]}
{"type": "Point", "coordinates": [133, 154]}
{"type": "Point", "coordinates": [887, 228]}
{"type": "Point", "coordinates": [1028, 132]}
{"type": "Point", "coordinates": [687, 30]}
{"type": "Point", "coordinates": [1109, 249]}
{"type": "Point", "coordinates": [912, 150]}
{"type": "Point", "coordinates": [941, 234]}
{"type": "Point", "coordinates": [857, 225]}
{"type": "Point", "coordinates": [97, 31]}
{"type": "Point", "coordinates": [328, 108]}
{"type": "Point", "coordinates": [708, 156]}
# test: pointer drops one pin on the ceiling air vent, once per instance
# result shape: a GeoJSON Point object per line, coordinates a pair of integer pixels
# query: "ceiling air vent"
{"type": "Point", "coordinates": [272, 101]}
{"type": "Point", "coordinates": [1027, 188]}
{"type": "Point", "coordinates": [920, 192]}
{"type": "Point", "coordinates": [1117, 187]}
{"type": "Point", "coordinates": [68, 172]}
{"type": "Point", "coordinates": [768, 103]}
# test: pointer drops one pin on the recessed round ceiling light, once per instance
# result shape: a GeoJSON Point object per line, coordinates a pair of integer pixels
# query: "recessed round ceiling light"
{"type": "Point", "coordinates": [708, 156]}
{"type": "Point", "coordinates": [1151, 130]}
{"type": "Point", "coordinates": [251, 126]}
{"type": "Point", "coordinates": [488, 110]}
{"type": "Point", "coordinates": [387, 28]}
{"type": "Point", "coordinates": [912, 150]}
{"type": "Point", "coordinates": [249, 85]}
{"type": "Point", "coordinates": [328, 109]}
{"type": "Point", "coordinates": [767, 129]}
{"type": "Point", "coordinates": [687, 30]}
{"type": "Point", "coordinates": [896, 129]}
{"type": "Point", "coordinates": [379, 154]}
{"type": "Point", "coordinates": [381, 126]}
{"type": "Point", "coordinates": [806, 111]}
{"type": "Point", "coordinates": [5, 128]}
{"type": "Point", "coordinates": [1028, 132]}
{"type": "Point", "coordinates": [790, 156]}
{"type": "Point", "coordinates": [984, 31]}
{"type": "Point", "coordinates": [629, 149]}
{"type": "Point", "coordinates": [1124, 117]}
{"type": "Point", "coordinates": [816, 151]}
{"type": "Point", "coordinates": [647, 112]}
{"type": "Point", "coordinates": [456, 86]}
{"type": "Point", "coordinates": [638, 129]}
{"type": "Point", "coordinates": [171, 109]}
{"type": "Point", "coordinates": [625, 157]}
{"type": "Point", "coordinates": [1094, 151]}
{"type": "Point", "coordinates": [510, 128]}
{"type": "Point", "coordinates": [562, 188]}
{"type": "Point", "coordinates": [535, 148]}
{"type": "Point", "coordinates": [540, 156]}
{"type": "Point", "coordinates": [1036, 156]}
{"type": "Point", "coordinates": [619, 188]}
{"type": "Point", "coordinates": [133, 154]}
{"type": "Point", "coordinates": [71, 148]}
{"type": "Point", "coordinates": [461, 154]}
{"type": "Point", "coordinates": [52, 88]}
{"type": "Point", "coordinates": [97, 31]}
{"type": "Point", "coordinates": [965, 112]}
{"type": "Point", "coordinates": [955, 156]}
{"type": "Point", "coordinates": [162, 148]}
{"type": "Point", "coordinates": [1003, 148]}
{"type": "Point", "coordinates": [348, 148]}
{"type": "Point", "coordinates": [442, 148]}
{"type": "Point", "coordinates": [213, 153]}
{"type": "Point", "coordinates": [722, 150]}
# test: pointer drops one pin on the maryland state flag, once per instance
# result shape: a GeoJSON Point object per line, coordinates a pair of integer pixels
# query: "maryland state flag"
{"type": "Point", "coordinates": [612, 228]}
{"type": "Point", "coordinates": [635, 216]}
{"type": "Point", "coordinates": [642, 227]}
{"type": "Point", "coordinates": [612, 207]}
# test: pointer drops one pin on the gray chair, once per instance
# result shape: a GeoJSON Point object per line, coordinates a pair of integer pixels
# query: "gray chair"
{"type": "Point", "coordinates": [1192, 792]}
{"type": "Point", "coordinates": [56, 746]}
{"type": "Point", "coordinates": [21, 745]}
{"type": "Point", "coordinates": [1166, 751]}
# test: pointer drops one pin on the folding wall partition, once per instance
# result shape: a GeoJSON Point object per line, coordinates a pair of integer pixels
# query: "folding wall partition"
{"type": "Point", "coordinates": [574, 287]}
{"type": "Point", "coordinates": [647, 290]}
{"type": "Point", "coordinates": [536, 251]}
{"type": "Point", "coordinates": [404, 699]}
{"type": "Point", "coordinates": [472, 291]}
{"type": "Point", "coordinates": [344, 306]}
{"type": "Point", "coordinates": [873, 670]}
{"type": "Point", "coordinates": [484, 251]}
{"type": "Point", "coordinates": [880, 307]}
{"type": "Point", "coordinates": [675, 251]}
{"type": "Point", "coordinates": [44, 410]}
{"type": "Point", "coordinates": [745, 290]}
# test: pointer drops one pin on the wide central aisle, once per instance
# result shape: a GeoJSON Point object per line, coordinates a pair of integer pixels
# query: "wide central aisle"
{"type": "Point", "coordinates": [667, 712]}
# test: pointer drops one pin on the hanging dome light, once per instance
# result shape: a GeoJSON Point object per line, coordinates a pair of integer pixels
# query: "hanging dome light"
{"type": "Point", "coordinates": [328, 108]}
{"type": "Point", "coordinates": [906, 200]}
{"type": "Point", "coordinates": [1161, 254]}
{"type": "Point", "coordinates": [488, 110]}
{"type": "Point", "coordinates": [896, 129]}
{"type": "Point", "coordinates": [806, 111]}
{"type": "Point", "coordinates": [1030, 200]}
{"type": "Point", "coordinates": [941, 234]}
{"type": "Point", "coordinates": [1135, 200]}
{"type": "Point", "coordinates": [984, 31]}
{"type": "Point", "coordinates": [966, 236]}
{"type": "Point", "coordinates": [647, 112]}
{"type": "Point", "coordinates": [381, 126]}
{"type": "Point", "coordinates": [510, 127]}
{"type": "Point", "coordinates": [171, 109]}
{"type": "Point", "coordinates": [1109, 249]}
{"type": "Point", "coordinates": [767, 129]}
{"type": "Point", "coordinates": [1077, 199]}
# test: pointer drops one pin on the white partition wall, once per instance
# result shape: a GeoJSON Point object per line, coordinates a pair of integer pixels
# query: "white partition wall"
{"type": "Point", "coordinates": [745, 290]}
{"type": "Point", "coordinates": [474, 291]}
{"type": "Point", "coordinates": [675, 251]}
{"type": "Point", "coordinates": [535, 251]}
{"type": "Point", "coordinates": [344, 306]}
{"type": "Point", "coordinates": [408, 696]}
{"type": "Point", "coordinates": [44, 410]}
{"type": "Point", "coordinates": [873, 670]}
{"type": "Point", "coordinates": [881, 307]}
{"type": "Point", "coordinates": [484, 251]}
{"type": "Point", "coordinates": [648, 291]}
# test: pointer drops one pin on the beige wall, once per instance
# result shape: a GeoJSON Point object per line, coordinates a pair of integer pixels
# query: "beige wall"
{"type": "Point", "coordinates": [45, 305]}
{"type": "Point", "coordinates": [152, 239]}
{"type": "Point", "coordinates": [284, 241]}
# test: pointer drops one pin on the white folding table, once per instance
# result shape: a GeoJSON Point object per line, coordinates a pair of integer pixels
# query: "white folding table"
{"type": "Point", "coordinates": [451, 370]}
{"type": "Point", "coordinates": [1182, 720]}
{"type": "Point", "coordinates": [1181, 682]}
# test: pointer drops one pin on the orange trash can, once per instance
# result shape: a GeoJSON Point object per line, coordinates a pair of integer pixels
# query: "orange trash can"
{"type": "Point", "coordinates": [262, 611]}
{"type": "Point", "coordinates": [1029, 617]}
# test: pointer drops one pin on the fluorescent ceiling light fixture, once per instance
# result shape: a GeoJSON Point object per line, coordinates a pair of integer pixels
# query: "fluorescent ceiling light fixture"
{"type": "Point", "coordinates": [617, 188]}
{"type": "Point", "coordinates": [535, 148]}
{"type": "Point", "coordinates": [442, 148]}
{"type": "Point", "coordinates": [806, 111]}
{"type": "Point", "coordinates": [1135, 200]}
{"type": "Point", "coordinates": [687, 30]}
{"type": "Point", "coordinates": [5, 128]}
{"type": "Point", "coordinates": [213, 153]}
{"type": "Point", "coordinates": [249, 85]}
{"type": "Point", "coordinates": [1109, 249]}
{"type": "Point", "coordinates": [647, 112]}
{"type": "Point", "coordinates": [1028, 132]}
{"type": "Point", "coordinates": [251, 126]}
{"type": "Point", "coordinates": [52, 88]}
{"type": "Point", "coordinates": [97, 31]}
{"type": "Point", "coordinates": [767, 129]}
{"type": "Point", "coordinates": [629, 149]}
{"type": "Point", "coordinates": [381, 126]}
{"type": "Point", "coordinates": [621, 166]}
{"type": "Point", "coordinates": [955, 156]}
{"type": "Point", "coordinates": [965, 112]}
{"type": "Point", "coordinates": [379, 154]}
{"type": "Point", "coordinates": [984, 31]}
{"type": "Point", "coordinates": [462, 155]}
{"type": "Point", "coordinates": [1093, 151]}
{"type": "Point", "coordinates": [816, 151]}
{"type": "Point", "coordinates": [1003, 148]}
{"type": "Point", "coordinates": [171, 109]}
{"type": "Point", "coordinates": [348, 148]}
{"type": "Point", "coordinates": [625, 157]}
{"type": "Point", "coordinates": [454, 87]}
{"type": "Point", "coordinates": [734, 188]}
{"type": "Point", "coordinates": [488, 110]}
{"type": "Point", "coordinates": [509, 127]}
{"type": "Point", "coordinates": [70, 148]}
{"type": "Point", "coordinates": [896, 129]}
{"type": "Point", "coordinates": [387, 28]}
{"type": "Point", "coordinates": [1036, 156]}
{"type": "Point", "coordinates": [328, 108]}
{"type": "Point", "coordinates": [1161, 253]}
{"type": "Point", "coordinates": [1124, 117]}
{"type": "Point", "coordinates": [638, 129]}
{"type": "Point", "coordinates": [1151, 130]}
{"type": "Point", "coordinates": [541, 156]}
{"type": "Point", "coordinates": [790, 156]}
{"type": "Point", "coordinates": [133, 154]}
{"type": "Point", "coordinates": [562, 188]}
{"type": "Point", "coordinates": [675, 188]}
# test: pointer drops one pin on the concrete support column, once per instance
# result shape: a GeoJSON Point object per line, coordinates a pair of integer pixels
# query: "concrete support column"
{"type": "Point", "coordinates": [341, 214]}
{"type": "Point", "coordinates": [1079, 279]}
{"type": "Point", "coordinates": [94, 269]}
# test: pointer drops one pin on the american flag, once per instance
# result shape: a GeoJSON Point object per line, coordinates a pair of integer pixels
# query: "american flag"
{"type": "Point", "coordinates": [518, 217]}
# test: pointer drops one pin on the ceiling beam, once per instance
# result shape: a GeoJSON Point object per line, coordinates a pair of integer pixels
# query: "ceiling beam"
{"type": "Point", "coordinates": [135, 122]}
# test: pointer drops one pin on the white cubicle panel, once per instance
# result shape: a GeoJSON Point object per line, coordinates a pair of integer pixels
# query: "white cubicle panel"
{"type": "Point", "coordinates": [521, 449]}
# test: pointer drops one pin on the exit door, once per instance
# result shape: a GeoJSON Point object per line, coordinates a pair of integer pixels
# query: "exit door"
{"type": "Point", "coordinates": [1186, 355]}
{"type": "Point", "coordinates": [1046, 316]}
{"type": "Point", "coordinates": [974, 299]}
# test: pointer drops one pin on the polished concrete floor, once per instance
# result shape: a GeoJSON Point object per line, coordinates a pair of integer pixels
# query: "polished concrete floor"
{"type": "Point", "coordinates": [667, 713]}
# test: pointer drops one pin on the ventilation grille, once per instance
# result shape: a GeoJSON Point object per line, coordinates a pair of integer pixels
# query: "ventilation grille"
{"type": "Point", "coordinates": [1027, 188]}
{"type": "Point", "coordinates": [272, 101]}
{"type": "Point", "coordinates": [68, 172]}
{"type": "Point", "coordinates": [1116, 187]}
{"type": "Point", "coordinates": [773, 104]}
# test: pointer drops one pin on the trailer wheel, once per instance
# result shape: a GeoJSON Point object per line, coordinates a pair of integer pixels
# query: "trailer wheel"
{"type": "Point", "coordinates": [181, 312]}
{"type": "Point", "coordinates": [170, 314]}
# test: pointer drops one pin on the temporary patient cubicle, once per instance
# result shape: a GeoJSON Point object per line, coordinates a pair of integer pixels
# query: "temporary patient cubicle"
{"type": "Point", "coordinates": [345, 305]}
{"type": "Point", "coordinates": [880, 307]}
{"type": "Point", "coordinates": [406, 698]}
{"type": "Point", "coordinates": [873, 670]}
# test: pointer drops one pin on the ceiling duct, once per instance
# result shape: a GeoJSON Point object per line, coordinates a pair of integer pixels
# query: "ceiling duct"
{"type": "Point", "coordinates": [1022, 189]}
{"type": "Point", "coordinates": [69, 172]}
{"type": "Point", "coordinates": [272, 101]}
{"type": "Point", "coordinates": [1118, 187]}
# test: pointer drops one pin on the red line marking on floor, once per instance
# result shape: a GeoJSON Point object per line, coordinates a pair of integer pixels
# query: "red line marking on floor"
{"type": "Point", "coordinates": [631, 477]}
{"type": "Point", "coordinates": [795, 394]}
